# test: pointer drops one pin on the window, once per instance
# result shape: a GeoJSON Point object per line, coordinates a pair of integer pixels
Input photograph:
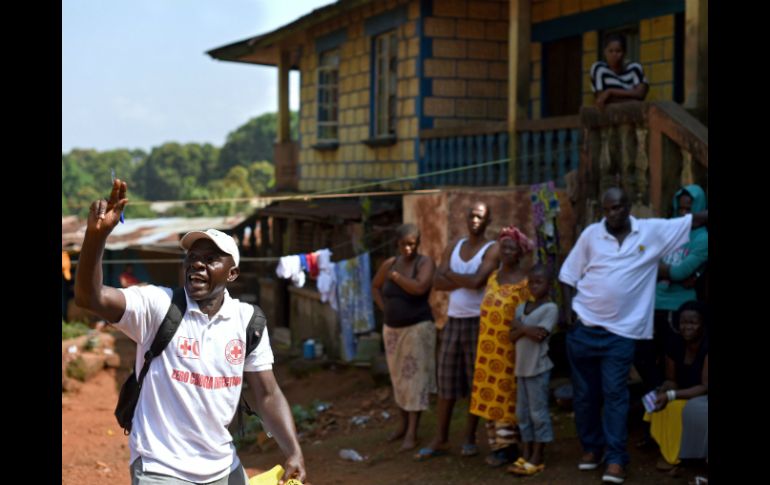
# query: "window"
{"type": "Point", "coordinates": [328, 94]}
{"type": "Point", "coordinates": [385, 60]}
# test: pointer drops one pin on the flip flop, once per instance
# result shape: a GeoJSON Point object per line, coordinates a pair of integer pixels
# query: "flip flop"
{"type": "Point", "coordinates": [428, 453]}
{"type": "Point", "coordinates": [469, 449]}
{"type": "Point", "coordinates": [526, 469]}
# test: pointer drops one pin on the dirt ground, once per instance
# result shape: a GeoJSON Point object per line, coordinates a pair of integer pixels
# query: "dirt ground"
{"type": "Point", "coordinates": [95, 451]}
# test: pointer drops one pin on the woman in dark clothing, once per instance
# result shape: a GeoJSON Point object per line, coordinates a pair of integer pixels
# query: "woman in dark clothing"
{"type": "Point", "coordinates": [400, 289]}
{"type": "Point", "coordinates": [680, 421]}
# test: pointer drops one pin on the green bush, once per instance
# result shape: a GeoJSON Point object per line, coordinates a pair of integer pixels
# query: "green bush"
{"type": "Point", "coordinates": [72, 330]}
{"type": "Point", "coordinates": [76, 369]}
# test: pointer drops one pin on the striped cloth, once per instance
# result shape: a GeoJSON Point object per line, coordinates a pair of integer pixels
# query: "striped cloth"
{"type": "Point", "coordinates": [602, 77]}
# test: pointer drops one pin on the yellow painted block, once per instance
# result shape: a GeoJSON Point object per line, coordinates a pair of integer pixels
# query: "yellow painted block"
{"type": "Point", "coordinates": [668, 49]}
{"type": "Point", "coordinates": [407, 150]}
{"type": "Point", "coordinates": [587, 83]}
{"type": "Point", "coordinates": [411, 169]}
{"type": "Point", "coordinates": [359, 116]}
{"type": "Point", "coordinates": [413, 47]}
{"type": "Point", "coordinates": [536, 71]}
{"type": "Point", "coordinates": [409, 107]}
{"type": "Point", "coordinates": [413, 127]}
{"type": "Point", "coordinates": [651, 52]}
{"type": "Point", "coordinates": [656, 93]}
{"type": "Point", "coordinates": [569, 7]}
{"type": "Point", "coordinates": [402, 128]}
{"type": "Point", "coordinates": [588, 99]}
{"type": "Point", "coordinates": [414, 87]}
{"type": "Point", "coordinates": [535, 51]}
{"type": "Point", "coordinates": [536, 110]}
{"type": "Point", "coordinates": [590, 41]}
{"type": "Point", "coordinates": [410, 28]}
{"type": "Point", "coordinates": [387, 170]}
{"type": "Point", "coordinates": [668, 92]}
{"type": "Point", "coordinates": [588, 61]}
{"type": "Point", "coordinates": [645, 30]}
{"type": "Point", "coordinates": [408, 68]}
{"type": "Point", "coordinates": [402, 49]}
{"type": "Point", "coordinates": [414, 11]}
{"type": "Point", "coordinates": [534, 90]}
{"type": "Point", "coordinates": [663, 27]}
{"type": "Point", "coordinates": [662, 72]}
{"type": "Point", "coordinates": [589, 5]}
{"type": "Point", "coordinates": [537, 12]}
{"type": "Point", "coordinates": [550, 9]}
{"type": "Point", "coordinates": [402, 87]}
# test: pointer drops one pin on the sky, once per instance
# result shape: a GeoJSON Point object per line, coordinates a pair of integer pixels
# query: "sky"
{"type": "Point", "coordinates": [135, 74]}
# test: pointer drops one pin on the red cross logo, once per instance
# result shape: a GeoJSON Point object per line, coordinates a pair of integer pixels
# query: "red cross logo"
{"type": "Point", "coordinates": [234, 352]}
{"type": "Point", "coordinates": [188, 348]}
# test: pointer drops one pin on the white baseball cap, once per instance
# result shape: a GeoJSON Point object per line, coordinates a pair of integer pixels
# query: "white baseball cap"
{"type": "Point", "coordinates": [222, 240]}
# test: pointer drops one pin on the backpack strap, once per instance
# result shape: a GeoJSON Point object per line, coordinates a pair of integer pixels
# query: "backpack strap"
{"type": "Point", "coordinates": [166, 330]}
{"type": "Point", "coordinates": [254, 332]}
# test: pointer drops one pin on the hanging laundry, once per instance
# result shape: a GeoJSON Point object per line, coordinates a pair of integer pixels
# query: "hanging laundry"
{"type": "Point", "coordinates": [312, 264]}
{"type": "Point", "coordinates": [327, 278]}
{"type": "Point", "coordinates": [290, 267]}
{"type": "Point", "coordinates": [354, 293]}
{"type": "Point", "coordinates": [545, 213]}
{"type": "Point", "coordinates": [303, 262]}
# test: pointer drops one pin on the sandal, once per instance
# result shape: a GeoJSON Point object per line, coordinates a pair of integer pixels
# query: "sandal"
{"type": "Point", "coordinates": [428, 453]}
{"type": "Point", "coordinates": [526, 469]}
{"type": "Point", "coordinates": [469, 449]}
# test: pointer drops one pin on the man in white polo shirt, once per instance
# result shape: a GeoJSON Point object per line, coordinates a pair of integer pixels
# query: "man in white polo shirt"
{"type": "Point", "coordinates": [190, 393]}
{"type": "Point", "coordinates": [611, 272]}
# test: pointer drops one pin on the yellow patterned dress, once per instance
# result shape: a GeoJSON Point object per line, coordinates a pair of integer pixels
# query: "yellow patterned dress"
{"type": "Point", "coordinates": [493, 396]}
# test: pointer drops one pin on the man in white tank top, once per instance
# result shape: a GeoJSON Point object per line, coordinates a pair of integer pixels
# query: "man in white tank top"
{"type": "Point", "coordinates": [465, 267]}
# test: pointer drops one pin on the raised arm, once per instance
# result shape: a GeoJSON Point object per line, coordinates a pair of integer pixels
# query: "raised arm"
{"type": "Point", "coordinates": [90, 292]}
{"type": "Point", "coordinates": [274, 410]}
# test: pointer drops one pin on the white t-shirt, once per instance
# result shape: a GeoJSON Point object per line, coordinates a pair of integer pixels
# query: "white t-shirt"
{"type": "Point", "coordinates": [466, 302]}
{"type": "Point", "coordinates": [191, 390]}
{"type": "Point", "coordinates": [616, 284]}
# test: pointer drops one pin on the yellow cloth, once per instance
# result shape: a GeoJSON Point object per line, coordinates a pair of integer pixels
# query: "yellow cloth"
{"type": "Point", "coordinates": [269, 477]}
{"type": "Point", "coordinates": [493, 396]}
{"type": "Point", "coordinates": [666, 429]}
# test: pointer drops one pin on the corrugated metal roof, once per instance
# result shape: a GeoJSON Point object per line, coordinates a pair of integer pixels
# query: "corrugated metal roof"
{"type": "Point", "coordinates": [157, 232]}
{"type": "Point", "coordinates": [263, 49]}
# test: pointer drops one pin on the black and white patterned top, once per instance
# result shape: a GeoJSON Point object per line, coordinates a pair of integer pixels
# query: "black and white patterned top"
{"type": "Point", "coordinates": [602, 77]}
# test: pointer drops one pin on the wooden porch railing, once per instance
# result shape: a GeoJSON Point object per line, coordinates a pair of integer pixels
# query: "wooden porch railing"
{"type": "Point", "coordinates": [454, 148]}
{"type": "Point", "coordinates": [649, 149]}
{"type": "Point", "coordinates": [548, 149]}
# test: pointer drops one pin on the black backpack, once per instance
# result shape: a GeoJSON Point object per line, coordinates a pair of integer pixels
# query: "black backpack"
{"type": "Point", "coordinates": [129, 393]}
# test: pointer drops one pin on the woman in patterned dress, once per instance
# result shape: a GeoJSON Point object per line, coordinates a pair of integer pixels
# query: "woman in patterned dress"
{"type": "Point", "coordinates": [493, 395]}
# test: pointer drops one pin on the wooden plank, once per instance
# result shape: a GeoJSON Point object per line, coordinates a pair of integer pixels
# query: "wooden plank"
{"type": "Point", "coordinates": [519, 54]}
{"type": "Point", "coordinates": [468, 129]}
{"type": "Point", "coordinates": [549, 124]}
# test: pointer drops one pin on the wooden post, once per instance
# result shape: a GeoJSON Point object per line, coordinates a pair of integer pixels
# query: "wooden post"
{"type": "Point", "coordinates": [519, 46]}
{"type": "Point", "coordinates": [283, 133]}
{"type": "Point", "coordinates": [696, 55]}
